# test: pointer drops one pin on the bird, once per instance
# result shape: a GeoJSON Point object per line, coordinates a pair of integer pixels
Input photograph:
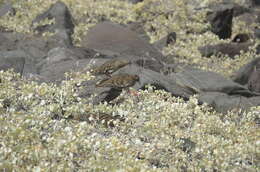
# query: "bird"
{"type": "Point", "coordinates": [108, 119]}
{"type": "Point", "coordinates": [242, 37]}
{"type": "Point", "coordinates": [103, 118]}
{"type": "Point", "coordinates": [119, 81]}
{"type": "Point", "coordinates": [171, 38]}
{"type": "Point", "coordinates": [110, 67]}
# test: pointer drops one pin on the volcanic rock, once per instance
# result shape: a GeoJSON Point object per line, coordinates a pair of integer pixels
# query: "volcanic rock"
{"type": "Point", "coordinates": [221, 22]}
{"type": "Point", "coordinates": [114, 39]}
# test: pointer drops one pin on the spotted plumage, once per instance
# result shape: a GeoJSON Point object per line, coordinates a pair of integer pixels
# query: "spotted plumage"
{"type": "Point", "coordinates": [119, 81]}
{"type": "Point", "coordinates": [103, 118]}
{"type": "Point", "coordinates": [110, 67]}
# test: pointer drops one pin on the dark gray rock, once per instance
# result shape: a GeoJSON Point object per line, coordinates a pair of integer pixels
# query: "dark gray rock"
{"type": "Point", "coordinates": [12, 60]}
{"type": "Point", "coordinates": [204, 81]}
{"type": "Point", "coordinates": [160, 81]}
{"type": "Point", "coordinates": [220, 93]}
{"type": "Point", "coordinates": [9, 40]}
{"type": "Point", "coordinates": [146, 76]}
{"type": "Point", "coordinates": [237, 9]}
{"type": "Point", "coordinates": [64, 54]}
{"type": "Point", "coordinates": [222, 102]}
{"type": "Point", "coordinates": [241, 37]}
{"type": "Point", "coordinates": [36, 46]}
{"type": "Point", "coordinates": [243, 74]}
{"type": "Point", "coordinates": [32, 48]}
{"type": "Point", "coordinates": [63, 19]}
{"type": "Point", "coordinates": [60, 39]}
{"type": "Point", "coordinates": [150, 64]}
{"type": "Point", "coordinates": [25, 63]}
{"type": "Point", "coordinates": [231, 49]}
{"type": "Point", "coordinates": [63, 26]}
{"type": "Point", "coordinates": [255, 3]}
{"type": "Point", "coordinates": [60, 60]}
{"type": "Point", "coordinates": [55, 72]}
{"type": "Point", "coordinates": [221, 22]}
{"type": "Point", "coordinates": [135, 1]}
{"type": "Point", "coordinates": [254, 79]}
{"type": "Point", "coordinates": [114, 39]}
{"type": "Point", "coordinates": [5, 43]}
{"type": "Point", "coordinates": [165, 41]}
{"type": "Point", "coordinates": [255, 101]}
{"type": "Point", "coordinates": [183, 84]}
{"type": "Point", "coordinates": [137, 27]}
{"type": "Point", "coordinates": [51, 65]}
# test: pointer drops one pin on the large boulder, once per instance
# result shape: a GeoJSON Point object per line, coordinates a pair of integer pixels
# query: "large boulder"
{"type": "Point", "coordinates": [114, 39]}
{"type": "Point", "coordinates": [61, 60]}
{"type": "Point", "coordinates": [137, 27]}
{"type": "Point", "coordinates": [13, 60]}
{"type": "Point", "coordinates": [254, 79]}
{"type": "Point", "coordinates": [204, 81]}
{"type": "Point", "coordinates": [61, 14]}
{"type": "Point", "coordinates": [213, 89]}
{"type": "Point", "coordinates": [221, 22]}
{"type": "Point", "coordinates": [55, 72]}
{"type": "Point", "coordinates": [58, 54]}
{"type": "Point", "coordinates": [238, 9]}
{"type": "Point", "coordinates": [146, 76]}
{"type": "Point", "coordinates": [222, 102]}
{"type": "Point", "coordinates": [9, 40]}
{"type": "Point", "coordinates": [243, 74]}
{"type": "Point", "coordinates": [63, 26]}
{"type": "Point", "coordinates": [36, 46]}
{"type": "Point", "coordinates": [170, 38]}
{"type": "Point", "coordinates": [231, 49]}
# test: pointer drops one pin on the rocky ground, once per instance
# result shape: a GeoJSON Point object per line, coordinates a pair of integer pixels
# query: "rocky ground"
{"type": "Point", "coordinates": [168, 85]}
